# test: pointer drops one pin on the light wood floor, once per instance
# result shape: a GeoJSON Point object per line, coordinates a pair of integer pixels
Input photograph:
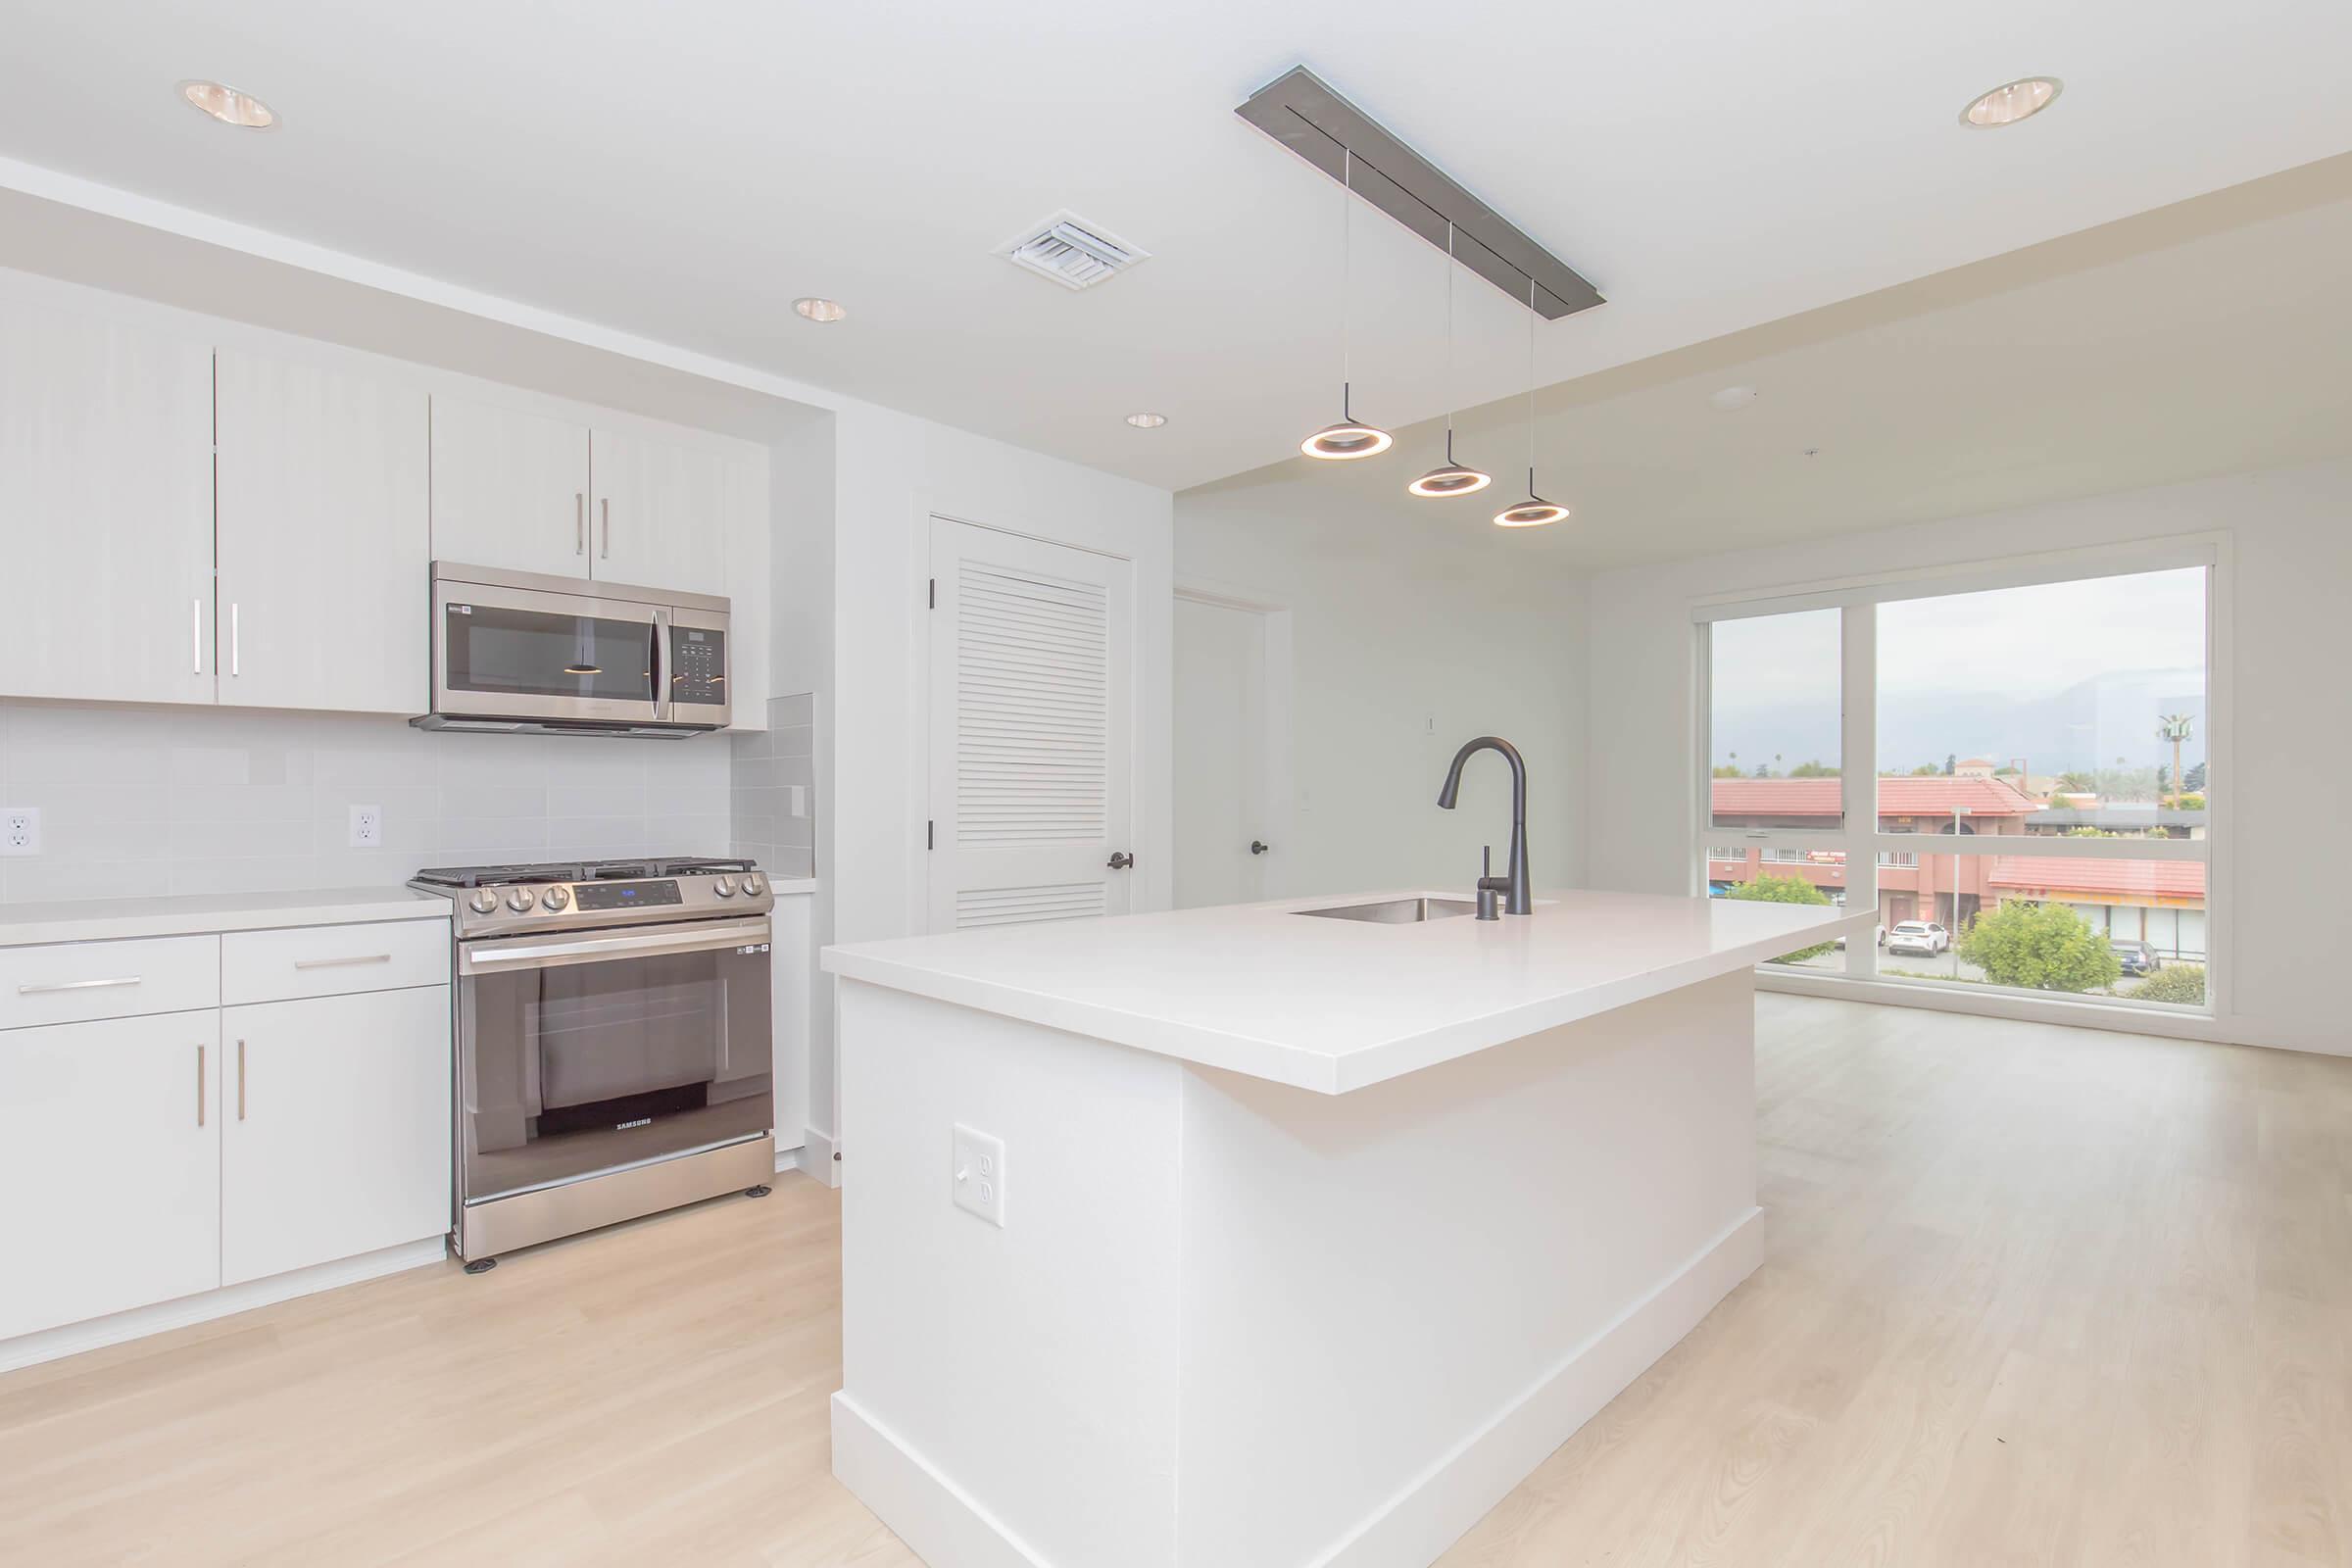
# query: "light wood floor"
{"type": "Point", "coordinates": [2033, 1296]}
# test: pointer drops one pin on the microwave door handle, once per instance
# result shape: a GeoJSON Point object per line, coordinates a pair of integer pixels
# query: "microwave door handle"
{"type": "Point", "coordinates": [661, 692]}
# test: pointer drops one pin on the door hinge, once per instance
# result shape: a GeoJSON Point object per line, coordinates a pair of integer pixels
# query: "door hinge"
{"type": "Point", "coordinates": [934, 593]}
{"type": "Point", "coordinates": [931, 835]}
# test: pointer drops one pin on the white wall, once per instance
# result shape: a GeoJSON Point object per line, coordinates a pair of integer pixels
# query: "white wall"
{"type": "Point", "coordinates": [891, 473]}
{"type": "Point", "coordinates": [1407, 639]}
{"type": "Point", "coordinates": [2289, 753]}
{"type": "Point", "coordinates": [140, 801]}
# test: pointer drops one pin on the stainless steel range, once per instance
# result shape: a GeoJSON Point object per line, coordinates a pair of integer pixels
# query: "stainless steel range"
{"type": "Point", "coordinates": [614, 1043]}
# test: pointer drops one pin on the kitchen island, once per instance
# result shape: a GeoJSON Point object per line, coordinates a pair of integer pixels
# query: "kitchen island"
{"type": "Point", "coordinates": [1242, 1236]}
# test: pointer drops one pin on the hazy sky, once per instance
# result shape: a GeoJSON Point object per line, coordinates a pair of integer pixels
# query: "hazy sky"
{"type": "Point", "coordinates": [2071, 674]}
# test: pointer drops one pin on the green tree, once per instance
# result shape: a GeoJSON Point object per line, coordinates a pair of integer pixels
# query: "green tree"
{"type": "Point", "coordinates": [1728, 770]}
{"type": "Point", "coordinates": [2194, 779]}
{"type": "Point", "coordinates": [1813, 770]}
{"type": "Point", "coordinates": [2076, 782]}
{"type": "Point", "coordinates": [2191, 801]}
{"type": "Point", "coordinates": [1927, 770]}
{"type": "Point", "coordinates": [2040, 947]}
{"type": "Point", "coordinates": [2182, 983]}
{"type": "Point", "coordinates": [1770, 889]}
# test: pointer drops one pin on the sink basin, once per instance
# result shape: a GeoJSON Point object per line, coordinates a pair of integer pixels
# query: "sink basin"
{"type": "Point", "coordinates": [1397, 911]}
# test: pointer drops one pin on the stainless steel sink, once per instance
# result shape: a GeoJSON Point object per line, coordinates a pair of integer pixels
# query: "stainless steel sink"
{"type": "Point", "coordinates": [1397, 911]}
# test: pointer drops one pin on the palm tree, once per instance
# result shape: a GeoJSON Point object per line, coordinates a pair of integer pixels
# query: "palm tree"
{"type": "Point", "coordinates": [2177, 728]}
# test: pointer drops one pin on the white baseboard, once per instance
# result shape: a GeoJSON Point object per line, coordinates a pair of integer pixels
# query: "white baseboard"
{"type": "Point", "coordinates": [945, 1526]}
{"type": "Point", "coordinates": [1416, 1526]}
{"type": "Point", "coordinates": [930, 1513]}
{"type": "Point", "coordinates": [820, 1157]}
{"type": "Point", "coordinates": [72, 1338]}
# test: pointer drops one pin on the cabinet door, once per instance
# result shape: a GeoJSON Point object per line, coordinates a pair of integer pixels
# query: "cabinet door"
{"type": "Point", "coordinates": [106, 503]}
{"type": "Point", "coordinates": [510, 488]}
{"type": "Point", "coordinates": [661, 514]}
{"type": "Point", "coordinates": [109, 1166]}
{"type": "Point", "coordinates": [336, 1118]}
{"type": "Point", "coordinates": [325, 538]}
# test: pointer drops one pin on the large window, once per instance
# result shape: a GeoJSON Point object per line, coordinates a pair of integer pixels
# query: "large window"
{"type": "Point", "coordinates": [2037, 816]}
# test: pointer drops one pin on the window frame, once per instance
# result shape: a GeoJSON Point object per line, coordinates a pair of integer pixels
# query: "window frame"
{"type": "Point", "coordinates": [1858, 834]}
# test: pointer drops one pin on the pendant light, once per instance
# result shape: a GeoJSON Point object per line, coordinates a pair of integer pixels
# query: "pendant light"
{"type": "Point", "coordinates": [1346, 439]}
{"type": "Point", "coordinates": [1534, 511]}
{"type": "Point", "coordinates": [1450, 479]}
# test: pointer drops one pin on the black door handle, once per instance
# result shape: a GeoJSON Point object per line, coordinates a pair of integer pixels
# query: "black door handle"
{"type": "Point", "coordinates": [1259, 847]}
{"type": "Point", "coordinates": [1120, 860]}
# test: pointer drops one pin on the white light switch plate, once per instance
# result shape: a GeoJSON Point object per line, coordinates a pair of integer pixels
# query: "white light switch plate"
{"type": "Point", "coordinates": [979, 1174]}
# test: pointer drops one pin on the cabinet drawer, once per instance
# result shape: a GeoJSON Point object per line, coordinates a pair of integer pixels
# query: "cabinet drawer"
{"type": "Point", "coordinates": [73, 982]}
{"type": "Point", "coordinates": [331, 961]}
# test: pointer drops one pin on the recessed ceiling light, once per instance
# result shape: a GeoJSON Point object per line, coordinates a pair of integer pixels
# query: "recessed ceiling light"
{"type": "Point", "coordinates": [1146, 422]}
{"type": "Point", "coordinates": [2012, 102]}
{"type": "Point", "coordinates": [1731, 397]}
{"type": "Point", "coordinates": [228, 106]}
{"type": "Point", "coordinates": [817, 310]}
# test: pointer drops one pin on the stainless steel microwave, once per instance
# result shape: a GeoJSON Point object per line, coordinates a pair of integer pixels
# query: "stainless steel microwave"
{"type": "Point", "coordinates": [516, 651]}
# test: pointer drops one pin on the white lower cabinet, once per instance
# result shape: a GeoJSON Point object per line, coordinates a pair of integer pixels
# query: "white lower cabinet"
{"type": "Point", "coordinates": [110, 1160]}
{"type": "Point", "coordinates": [335, 1128]}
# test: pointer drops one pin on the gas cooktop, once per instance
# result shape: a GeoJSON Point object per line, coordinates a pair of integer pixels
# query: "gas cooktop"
{"type": "Point", "coordinates": [499, 876]}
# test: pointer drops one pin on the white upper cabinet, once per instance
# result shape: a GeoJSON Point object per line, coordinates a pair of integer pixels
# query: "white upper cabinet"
{"type": "Point", "coordinates": [510, 489]}
{"type": "Point", "coordinates": [325, 538]}
{"type": "Point", "coordinates": [106, 503]}
{"type": "Point", "coordinates": [661, 513]}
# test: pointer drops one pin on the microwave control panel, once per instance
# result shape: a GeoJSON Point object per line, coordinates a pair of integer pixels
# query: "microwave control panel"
{"type": "Point", "coordinates": [698, 666]}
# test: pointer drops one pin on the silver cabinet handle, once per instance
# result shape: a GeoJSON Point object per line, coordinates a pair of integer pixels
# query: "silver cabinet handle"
{"type": "Point", "coordinates": [240, 1080]}
{"type": "Point", "coordinates": [196, 632]}
{"type": "Point", "coordinates": [232, 638]}
{"type": "Point", "coordinates": [579, 522]}
{"type": "Point", "coordinates": [340, 964]}
{"type": "Point", "coordinates": [199, 1086]}
{"type": "Point", "coordinates": [78, 985]}
{"type": "Point", "coordinates": [603, 511]}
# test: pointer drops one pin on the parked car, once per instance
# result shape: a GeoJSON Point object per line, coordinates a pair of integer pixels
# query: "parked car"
{"type": "Point", "coordinates": [2137, 957]}
{"type": "Point", "coordinates": [1922, 938]}
{"type": "Point", "coordinates": [1881, 934]}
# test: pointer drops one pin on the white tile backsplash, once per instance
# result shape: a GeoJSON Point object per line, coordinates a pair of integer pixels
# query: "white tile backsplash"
{"type": "Point", "coordinates": [158, 801]}
{"type": "Point", "coordinates": [767, 768]}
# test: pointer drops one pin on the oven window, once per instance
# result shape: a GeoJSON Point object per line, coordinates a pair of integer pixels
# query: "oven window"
{"type": "Point", "coordinates": [581, 1067]}
{"type": "Point", "coordinates": [535, 653]}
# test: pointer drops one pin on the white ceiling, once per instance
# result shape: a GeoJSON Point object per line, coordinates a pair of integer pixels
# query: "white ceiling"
{"type": "Point", "coordinates": [682, 173]}
{"type": "Point", "coordinates": [2211, 337]}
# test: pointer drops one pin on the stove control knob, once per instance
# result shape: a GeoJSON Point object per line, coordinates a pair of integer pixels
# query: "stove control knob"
{"type": "Point", "coordinates": [482, 901]}
{"type": "Point", "coordinates": [557, 897]}
{"type": "Point", "coordinates": [724, 887]}
{"type": "Point", "coordinates": [754, 884]}
{"type": "Point", "coordinates": [519, 899]}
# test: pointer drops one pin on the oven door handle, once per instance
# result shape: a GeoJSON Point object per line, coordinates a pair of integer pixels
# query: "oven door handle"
{"type": "Point", "coordinates": [538, 953]}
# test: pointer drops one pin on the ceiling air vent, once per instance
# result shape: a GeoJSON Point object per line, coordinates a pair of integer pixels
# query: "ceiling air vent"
{"type": "Point", "coordinates": [1071, 250]}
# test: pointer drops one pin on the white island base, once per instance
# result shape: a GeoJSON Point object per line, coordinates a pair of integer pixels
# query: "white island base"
{"type": "Point", "coordinates": [1230, 1321]}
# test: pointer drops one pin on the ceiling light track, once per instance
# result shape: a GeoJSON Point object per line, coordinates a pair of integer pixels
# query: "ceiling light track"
{"type": "Point", "coordinates": [1305, 114]}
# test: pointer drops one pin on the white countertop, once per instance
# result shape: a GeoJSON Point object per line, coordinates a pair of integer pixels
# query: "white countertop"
{"type": "Point", "coordinates": [106, 920]}
{"type": "Point", "coordinates": [1336, 1004]}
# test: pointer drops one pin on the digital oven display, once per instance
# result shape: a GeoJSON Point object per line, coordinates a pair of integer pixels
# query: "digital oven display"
{"type": "Point", "coordinates": [593, 896]}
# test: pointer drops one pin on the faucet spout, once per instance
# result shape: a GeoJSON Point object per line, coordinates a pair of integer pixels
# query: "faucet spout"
{"type": "Point", "coordinates": [1513, 885]}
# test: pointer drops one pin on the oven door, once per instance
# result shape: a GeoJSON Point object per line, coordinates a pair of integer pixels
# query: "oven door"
{"type": "Point", "coordinates": [521, 653]}
{"type": "Point", "coordinates": [580, 1053]}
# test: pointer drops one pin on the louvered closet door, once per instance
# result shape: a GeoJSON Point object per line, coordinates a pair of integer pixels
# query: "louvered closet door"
{"type": "Point", "coordinates": [1032, 730]}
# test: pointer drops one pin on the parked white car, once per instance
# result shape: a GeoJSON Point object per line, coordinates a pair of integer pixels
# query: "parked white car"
{"type": "Point", "coordinates": [1923, 938]}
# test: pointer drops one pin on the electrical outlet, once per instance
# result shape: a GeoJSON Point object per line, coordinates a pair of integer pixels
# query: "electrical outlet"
{"type": "Point", "coordinates": [367, 827]}
{"type": "Point", "coordinates": [979, 1174]}
{"type": "Point", "coordinates": [20, 830]}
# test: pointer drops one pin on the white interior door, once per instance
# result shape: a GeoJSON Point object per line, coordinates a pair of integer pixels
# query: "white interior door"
{"type": "Point", "coordinates": [1220, 809]}
{"type": "Point", "coordinates": [110, 1156]}
{"type": "Point", "coordinates": [1031, 729]}
{"type": "Point", "coordinates": [324, 536]}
